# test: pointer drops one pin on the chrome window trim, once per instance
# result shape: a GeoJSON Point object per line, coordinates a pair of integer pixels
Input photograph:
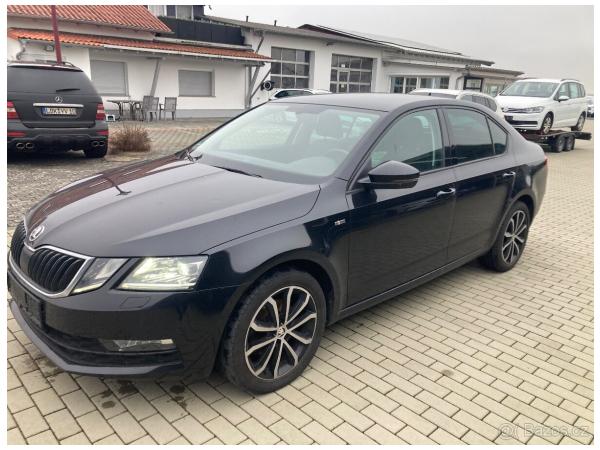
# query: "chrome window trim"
{"type": "Point", "coordinates": [59, 105]}
{"type": "Point", "coordinates": [64, 293]}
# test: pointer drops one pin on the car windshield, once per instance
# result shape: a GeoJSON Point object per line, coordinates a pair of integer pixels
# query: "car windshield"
{"type": "Point", "coordinates": [530, 89]}
{"type": "Point", "coordinates": [302, 143]}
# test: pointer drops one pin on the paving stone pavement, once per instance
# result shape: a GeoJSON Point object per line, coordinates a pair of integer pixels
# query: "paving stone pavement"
{"type": "Point", "coordinates": [472, 357]}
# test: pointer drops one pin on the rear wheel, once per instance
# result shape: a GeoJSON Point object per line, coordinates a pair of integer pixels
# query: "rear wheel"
{"type": "Point", "coordinates": [95, 152]}
{"type": "Point", "coordinates": [546, 124]}
{"type": "Point", "coordinates": [510, 243]}
{"type": "Point", "coordinates": [275, 333]}
{"type": "Point", "coordinates": [570, 143]}
{"type": "Point", "coordinates": [580, 122]}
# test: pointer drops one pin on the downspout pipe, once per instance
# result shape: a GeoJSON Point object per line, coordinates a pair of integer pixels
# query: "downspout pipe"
{"type": "Point", "coordinates": [20, 53]}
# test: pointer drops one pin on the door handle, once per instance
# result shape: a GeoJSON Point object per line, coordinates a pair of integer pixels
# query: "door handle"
{"type": "Point", "coordinates": [446, 193]}
{"type": "Point", "coordinates": [507, 175]}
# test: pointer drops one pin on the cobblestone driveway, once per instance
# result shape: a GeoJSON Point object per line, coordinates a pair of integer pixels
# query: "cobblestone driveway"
{"type": "Point", "coordinates": [472, 357]}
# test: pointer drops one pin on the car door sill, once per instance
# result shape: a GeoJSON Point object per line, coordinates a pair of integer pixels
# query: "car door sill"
{"type": "Point", "coordinates": [372, 301]}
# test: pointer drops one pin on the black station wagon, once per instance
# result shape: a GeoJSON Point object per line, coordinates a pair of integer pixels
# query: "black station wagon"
{"type": "Point", "coordinates": [238, 250]}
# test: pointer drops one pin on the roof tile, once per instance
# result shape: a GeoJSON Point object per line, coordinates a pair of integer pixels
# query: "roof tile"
{"type": "Point", "coordinates": [129, 16]}
{"type": "Point", "coordinates": [89, 40]}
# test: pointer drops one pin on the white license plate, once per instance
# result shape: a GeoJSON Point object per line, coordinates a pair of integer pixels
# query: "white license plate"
{"type": "Point", "coordinates": [54, 111]}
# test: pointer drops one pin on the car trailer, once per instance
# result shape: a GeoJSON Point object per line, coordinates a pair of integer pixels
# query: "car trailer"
{"type": "Point", "coordinates": [557, 140]}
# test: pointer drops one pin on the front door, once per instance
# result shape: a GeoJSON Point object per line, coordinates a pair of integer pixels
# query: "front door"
{"type": "Point", "coordinates": [563, 108]}
{"type": "Point", "coordinates": [485, 173]}
{"type": "Point", "coordinates": [398, 235]}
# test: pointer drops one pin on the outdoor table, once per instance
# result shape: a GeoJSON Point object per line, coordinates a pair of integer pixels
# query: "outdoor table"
{"type": "Point", "coordinates": [133, 105]}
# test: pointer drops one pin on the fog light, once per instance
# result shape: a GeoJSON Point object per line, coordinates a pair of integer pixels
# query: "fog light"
{"type": "Point", "coordinates": [138, 346]}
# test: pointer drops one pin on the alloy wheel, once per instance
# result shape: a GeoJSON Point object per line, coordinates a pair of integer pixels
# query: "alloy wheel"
{"type": "Point", "coordinates": [515, 235]}
{"type": "Point", "coordinates": [546, 125]}
{"type": "Point", "coordinates": [281, 330]}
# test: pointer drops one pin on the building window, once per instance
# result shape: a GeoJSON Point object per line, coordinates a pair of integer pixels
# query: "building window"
{"type": "Point", "coordinates": [183, 12]}
{"type": "Point", "coordinates": [290, 67]}
{"type": "Point", "coordinates": [109, 77]}
{"type": "Point", "coordinates": [405, 84]}
{"type": "Point", "coordinates": [493, 89]}
{"type": "Point", "coordinates": [157, 10]}
{"type": "Point", "coordinates": [195, 83]}
{"type": "Point", "coordinates": [350, 74]}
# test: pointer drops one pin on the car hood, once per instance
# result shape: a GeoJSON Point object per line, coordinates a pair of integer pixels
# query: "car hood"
{"type": "Point", "coordinates": [166, 207]}
{"type": "Point", "coordinates": [522, 102]}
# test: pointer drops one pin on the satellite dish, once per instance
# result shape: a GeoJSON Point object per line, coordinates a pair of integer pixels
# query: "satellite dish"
{"type": "Point", "coordinates": [267, 85]}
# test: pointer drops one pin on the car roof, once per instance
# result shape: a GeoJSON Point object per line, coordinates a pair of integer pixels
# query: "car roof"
{"type": "Point", "coordinates": [373, 101]}
{"type": "Point", "coordinates": [438, 91]}
{"type": "Point", "coordinates": [547, 80]}
{"type": "Point", "coordinates": [44, 65]}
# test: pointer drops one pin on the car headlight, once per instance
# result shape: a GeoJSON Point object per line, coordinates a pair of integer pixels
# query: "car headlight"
{"type": "Point", "coordinates": [98, 273]}
{"type": "Point", "coordinates": [165, 274]}
{"type": "Point", "coordinates": [535, 109]}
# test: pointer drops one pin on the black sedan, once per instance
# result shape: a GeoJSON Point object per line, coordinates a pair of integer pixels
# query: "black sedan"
{"type": "Point", "coordinates": [240, 249]}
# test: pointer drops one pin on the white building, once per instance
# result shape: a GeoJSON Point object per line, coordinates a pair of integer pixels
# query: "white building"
{"type": "Point", "coordinates": [215, 66]}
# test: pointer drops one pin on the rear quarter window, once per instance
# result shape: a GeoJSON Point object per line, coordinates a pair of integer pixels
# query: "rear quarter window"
{"type": "Point", "coordinates": [48, 81]}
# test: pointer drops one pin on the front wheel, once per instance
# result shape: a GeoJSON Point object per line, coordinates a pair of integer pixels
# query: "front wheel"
{"type": "Point", "coordinates": [546, 124]}
{"type": "Point", "coordinates": [510, 243]}
{"type": "Point", "coordinates": [275, 333]}
{"type": "Point", "coordinates": [580, 122]}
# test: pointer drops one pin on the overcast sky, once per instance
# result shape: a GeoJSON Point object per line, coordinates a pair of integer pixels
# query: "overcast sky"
{"type": "Point", "coordinates": [542, 41]}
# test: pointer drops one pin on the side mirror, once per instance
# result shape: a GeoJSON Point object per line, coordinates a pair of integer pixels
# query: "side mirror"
{"type": "Point", "coordinates": [391, 175]}
{"type": "Point", "coordinates": [563, 98]}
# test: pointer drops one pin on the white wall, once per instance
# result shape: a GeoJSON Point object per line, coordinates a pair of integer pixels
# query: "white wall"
{"type": "Point", "coordinates": [320, 60]}
{"type": "Point", "coordinates": [228, 78]}
{"type": "Point", "coordinates": [320, 69]}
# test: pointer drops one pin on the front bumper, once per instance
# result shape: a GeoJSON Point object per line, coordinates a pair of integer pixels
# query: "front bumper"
{"type": "Point", "coordinates": [525, 121]}
{"type": "Point", "coordinates": [67, 330]}
{"type": "Point", "coordinates": [55, 139]}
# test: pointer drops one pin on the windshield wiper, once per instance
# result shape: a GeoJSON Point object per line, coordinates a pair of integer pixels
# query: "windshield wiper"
{"type": "Point", "coordinates": [67, 89]}
{"type": "Point", "coordinates": [239, 171]}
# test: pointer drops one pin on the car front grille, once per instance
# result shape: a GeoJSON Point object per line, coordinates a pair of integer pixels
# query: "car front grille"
{"type": "Point", "coordinates": [49, 268]}
{"type": "Point", "coordinates": [53, 270]}
{"type": "Point", "coordinates": [18, 240]}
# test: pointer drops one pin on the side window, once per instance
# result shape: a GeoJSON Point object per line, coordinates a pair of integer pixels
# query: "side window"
{"type": "Point", "coordinates": [471, 136]}
{"type": "Point", "coordinates": [281, 94]}
{"type": "Point", "coordinates": [414, 139]}
{"type": "Point", "coordinates": [499, 137]}
{"type": "Point", "coordinates": [581, 90]}
{"type": "Point", "coordinates": [563, 90]}
{"type": "Point", "coordinates": [573, 90]}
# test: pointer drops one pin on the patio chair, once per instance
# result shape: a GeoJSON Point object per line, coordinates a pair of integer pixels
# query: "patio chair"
{"type": "Point", "coordinates": [149, 107]}
{"type": "Point", "coordinates": [169, 106]}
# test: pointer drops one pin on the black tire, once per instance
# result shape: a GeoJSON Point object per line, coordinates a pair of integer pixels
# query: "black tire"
{"type": "Point", "coordinates": [547, 124]}
{"type": "Point", "coordinates": [95, 152]}
{"type": "Point", "coordinates": [240, 337]}
{"type": "Point", "coordinates": [569, 143]}
{"type": "Point", "coordinates": [499, 258]}
{"type": "Point", "coordinates": [580, 123]}
{"type": "Point", "coordinates": [558, 144]}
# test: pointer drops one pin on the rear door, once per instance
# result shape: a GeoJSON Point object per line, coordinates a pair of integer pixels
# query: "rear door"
{"type": "Point", "coordinates": [50, 97]}
{"type": "Point", "coordinates": [485, 173]}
